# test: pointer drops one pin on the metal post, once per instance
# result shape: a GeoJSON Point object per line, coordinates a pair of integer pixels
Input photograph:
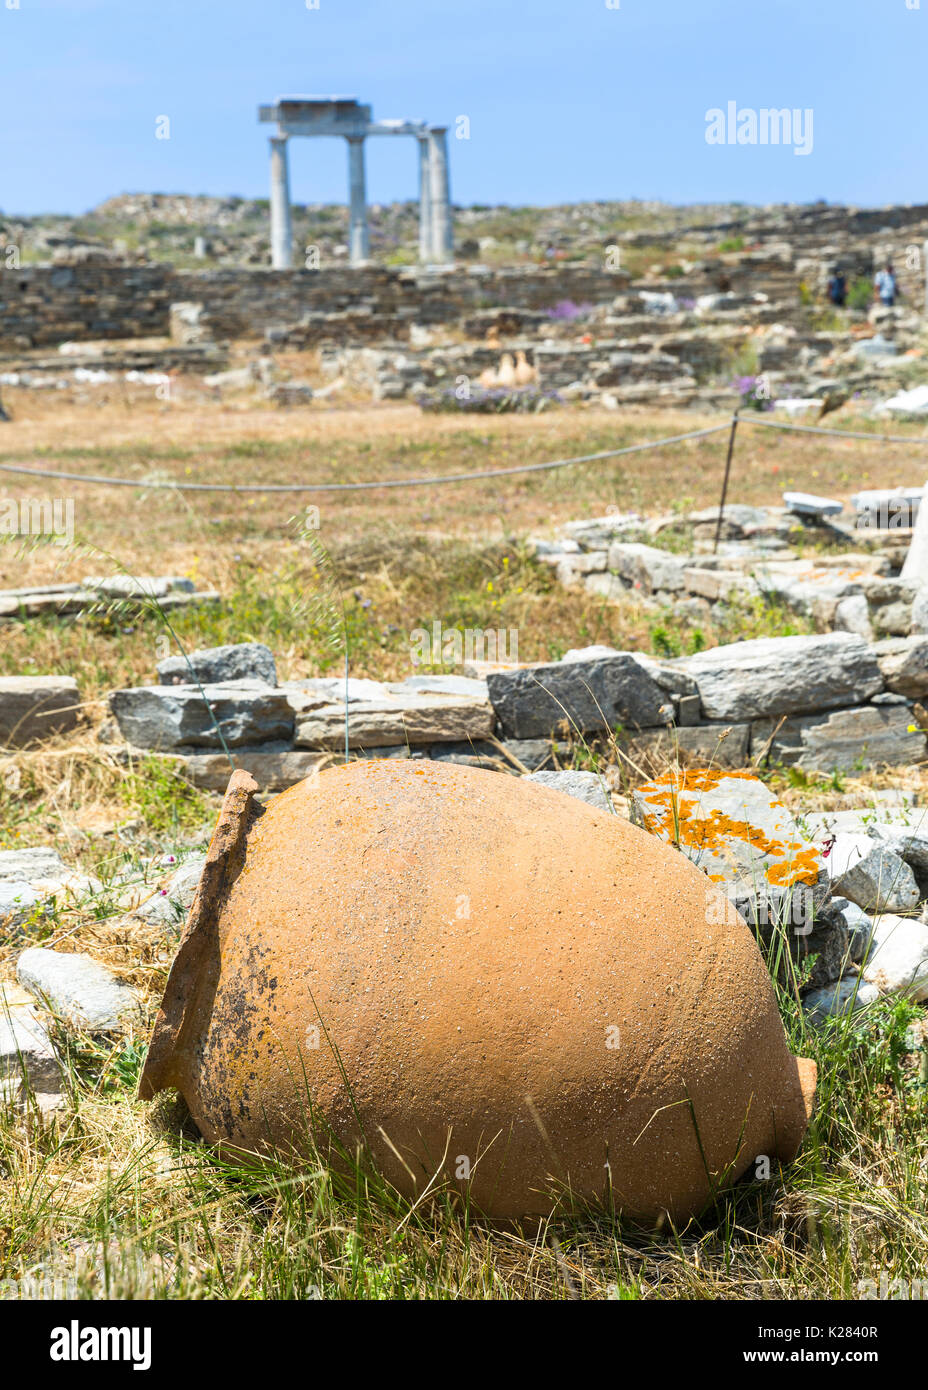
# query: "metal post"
{"type": "Point", "coordinates": [731, 450]}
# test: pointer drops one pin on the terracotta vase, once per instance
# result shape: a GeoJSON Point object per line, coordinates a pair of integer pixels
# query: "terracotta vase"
{"type": "Point", "coordinates": [480, 982]}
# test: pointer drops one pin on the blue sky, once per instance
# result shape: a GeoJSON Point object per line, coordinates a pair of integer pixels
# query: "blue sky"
{"type": "Point", "coordinates": [567, 99]}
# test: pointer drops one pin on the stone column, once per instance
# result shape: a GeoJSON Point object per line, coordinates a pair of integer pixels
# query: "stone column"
{"type": "Point", "coordinates": [359, 246]}
{"type": "Point", "coordinates": [442, 230]}
{"type": "Point", "coordinates": [281, 230]}
{"type": "Point", "coordinates": [425, 201]}
{"type": "Point", "coordinates": [925, 269]}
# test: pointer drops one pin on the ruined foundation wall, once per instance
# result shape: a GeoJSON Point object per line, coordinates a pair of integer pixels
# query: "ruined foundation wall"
{"type": "Point", "coordinates": [45, 305]}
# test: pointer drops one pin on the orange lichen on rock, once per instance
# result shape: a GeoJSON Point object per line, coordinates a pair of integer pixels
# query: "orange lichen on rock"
{"type": "Point", "coordinates": [679, 808]}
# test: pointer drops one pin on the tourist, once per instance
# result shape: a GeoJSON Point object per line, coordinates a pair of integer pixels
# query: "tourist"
{"type": "Point", "coordinates": [886, 287]}
{"type": "Point", "coordinates": [837, 288]}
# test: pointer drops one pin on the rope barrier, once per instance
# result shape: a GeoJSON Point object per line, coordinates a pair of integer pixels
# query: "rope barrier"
{"type": "Point", "coordinates": [359, 487]}
{"type": "Point", "coordinates": [843, 434]}
{"type": "Point", "coordinates": [437, 480]}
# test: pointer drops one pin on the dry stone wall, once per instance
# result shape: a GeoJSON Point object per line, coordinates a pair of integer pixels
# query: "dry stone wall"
{"type": "Point", "coordinates": [42, 305]}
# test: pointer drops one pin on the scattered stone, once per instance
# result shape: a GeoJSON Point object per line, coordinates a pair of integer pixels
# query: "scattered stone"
{"type": "Point", "coordinates": [646, 567]}
{"type": "Point", "coordinates": [33, 708]}
{"type": "Point", "coordinates": [27, 1058]}
{"type": "Point", "coordinates": [898, 961]}
{"type": "Point", "coordinates": [838, 999]}
{"type": "Point", "coordinates": [858, 925]}
{"type": "Point", "coordinates": [585, 786]}
{"type": "Point", "coordinates": [29, 877]}
{"type": "Point", "coordinates": [843, 740]}
{"type": "Point", "coordinates": [872, 877]}
{"type": "Point", "coordinates": [718, 745]}
{"type": "Point", "coordinates": [178, 717]}
{"type": "Point", "coordinates": [903, 665]}
{"type": "Point", "coordinates": [746, 842]}
{"type": "Point", "coordinates": [315, 693]}
{"type": "Point", "coordinates": [170, 904]}
{"type": "Point", "coordinates": [79, 990]}
{"type": "Point", "coordinates": [248, 661]}
{"type": "Point", "coordinates": [906, 835]}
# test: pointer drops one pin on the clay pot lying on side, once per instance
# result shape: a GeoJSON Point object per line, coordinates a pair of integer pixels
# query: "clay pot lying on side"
{"type": "Point", "coordinates": [483, 975]}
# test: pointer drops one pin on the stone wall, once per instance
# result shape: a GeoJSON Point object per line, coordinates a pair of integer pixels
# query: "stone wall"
{"type": "Point", "coordinates": [42, 305]}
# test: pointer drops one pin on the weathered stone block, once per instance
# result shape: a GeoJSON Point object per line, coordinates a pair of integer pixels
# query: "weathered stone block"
{"type": "Point", "coordinates": [33, 708]}
{"type": "Point", "coordinates": [898, 960]}
{"type": "Point", "coordinates": [178, 717]}
{"type": "Point", "coordinates": [250, 661]}
{"type": "Point", "coordinates": [590, 696]}
{"type": "Point", "coordinates": [870, 875]}
{"type": "Point", "coordinates": [273, 771]}
{"type": "Point", "coordinates": [646, 567]}
{"type": "Point", "coordinates": [414, 719]}
{"type": "Point", "coordinates": [784, 675]}
{"type": "Point", "coordinates": [903, 665]}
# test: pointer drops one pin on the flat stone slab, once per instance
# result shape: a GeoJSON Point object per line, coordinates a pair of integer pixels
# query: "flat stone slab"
{"type": "Point", "coordinates": [718, 584]}
{"type": "Point", "coordinates": [319, 691]}
{"type": "Point", "coordinates": [217, 665]}
{"type": "Point", "coordinates": [273, 771]}
{"type": "Point", "coordinates": [734, 829]}
{"type": "Point", "coordinates": [584, 786]}
{"type": "Point", "coordinates": [784, 675]}
{"type": "Point", "coordinates": [139, 586]}
{"type": "Point", "coordinates": [414, 718]}
{"type": "Point", "coordinates": [33, 708]}
{"type": "Point", "coordinates": [807, 504]}
{"type": "Point", "coordinates": [78, 989]}
{"type": "Point", "coordinates": [67, 600]}
{"type": "Point", "coordinates": [441, 685]}
{"type": "Point", "coordinates": [591, 696]}
{"type": "Point", "coordinates": [842, 740]}
{"type": "Point", "coordinates": [177, 718]}
{"type": "Point", "coordinates": [898, 960]}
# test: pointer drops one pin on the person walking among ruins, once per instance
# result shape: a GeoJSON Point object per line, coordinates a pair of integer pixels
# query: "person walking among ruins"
{"type": "Point", "coordinates": [837, 287]}
{"type": "Point", "coordinates": [886, 286]}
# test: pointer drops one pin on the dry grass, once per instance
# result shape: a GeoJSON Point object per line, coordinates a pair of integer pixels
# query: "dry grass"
{"type": "Point", "coordinates": [122, 1196]}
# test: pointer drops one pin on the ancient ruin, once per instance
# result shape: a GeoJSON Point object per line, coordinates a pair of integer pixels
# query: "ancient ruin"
{"type": "Point", "coordinates": [347, 118]}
